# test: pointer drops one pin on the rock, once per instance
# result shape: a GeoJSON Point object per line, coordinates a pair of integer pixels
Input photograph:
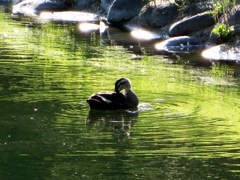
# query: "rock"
{"type": "Point", "coordinates": [192, 24]}
{"type": "Point", "coordinates": [70, 16]}
{"type": "Point", "coordinates": [105, 4]}
{"type": "Point", "coordinates": [237, 29]}
{"type": "Point", "coordinates": [181, 41]}
{"type": "Point", "coordinates": [226, 52]}
{"type": "Point", "coordinates": [5, 2]}
{"type": "Point", "coordinates": [232, 21]}
{"type": "Point", "coordinates": [80, 5]}
{"type": "Point", "coordinates": [157, 17]}
{"type": "Point", "coordinates": [122, 10]}
{"type": "Point", "coordinates": [214, 39]}
{"type": "Point", "coordinates": [51, 6]}
{"type": "Point", "coordinates": [34, 7]}
{"type": "Point", "coordinates": [196, 8]}
{"type": "Point", "coordinates": [179, 44]}
{"type": "Point", "coordinates": [16, 1]}
{"type": "Point", "coordinates": [233, 15]}
{"type": "Point", "coordinates": [141, 34]}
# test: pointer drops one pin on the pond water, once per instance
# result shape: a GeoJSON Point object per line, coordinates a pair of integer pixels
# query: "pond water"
{"type": "Point", "coordinates": [187, 125]}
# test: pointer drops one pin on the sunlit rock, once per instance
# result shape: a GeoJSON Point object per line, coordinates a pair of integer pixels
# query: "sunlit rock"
{"type": "Point", "coordinates": [181, 44]}
{"type": "Point", "coordinates": [143, 34]}
{"type": "Point", "coordinates": [73, 16]}
{"type": "Point", "coordinates": [23, 9]}
{"type": "Point", "coordinates": [34, 7]}
{"type": "Point", "coordinates": [223, 52]}
{"type": "Point", "coordinates": [192, 24]}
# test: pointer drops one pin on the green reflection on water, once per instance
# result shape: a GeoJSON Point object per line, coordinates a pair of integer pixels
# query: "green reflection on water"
{"type": "Point", "coordinates": [187, 125]}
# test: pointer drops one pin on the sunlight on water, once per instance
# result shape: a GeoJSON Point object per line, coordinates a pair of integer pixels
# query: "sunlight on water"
{"type": "Point", "coordinates": [186, 125]}
{"type": "Point", "coordinates": [145, 107]}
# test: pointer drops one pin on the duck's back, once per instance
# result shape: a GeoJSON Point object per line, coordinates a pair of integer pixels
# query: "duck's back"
{"type": "Point", "coordinates": [107, 101]}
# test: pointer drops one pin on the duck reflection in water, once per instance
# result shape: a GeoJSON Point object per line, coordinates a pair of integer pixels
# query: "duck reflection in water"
{"type": "Point", "coordinates": [120, 122]}
{"type": "Point", "coordinates": [124, 105]}
{"type": "Point", "coordinates": [115, 100]}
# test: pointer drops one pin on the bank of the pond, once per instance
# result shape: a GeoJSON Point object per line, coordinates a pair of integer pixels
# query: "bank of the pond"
{"type": "Point", "coordinates": [164, 19]}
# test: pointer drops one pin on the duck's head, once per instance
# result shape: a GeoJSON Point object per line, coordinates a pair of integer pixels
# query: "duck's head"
{"type": "Point", "coordinates": [122, 83]}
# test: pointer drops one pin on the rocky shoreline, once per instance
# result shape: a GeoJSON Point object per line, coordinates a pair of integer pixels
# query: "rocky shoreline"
{"type": "Point", "coordinates": [184, 26]}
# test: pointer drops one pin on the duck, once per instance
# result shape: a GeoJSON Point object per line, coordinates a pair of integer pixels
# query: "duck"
{"type": "Point", "coordinates": [115, 100]}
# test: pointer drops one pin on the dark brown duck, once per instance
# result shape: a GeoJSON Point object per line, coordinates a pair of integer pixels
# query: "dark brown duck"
{"type": "Point", "coordinates": [116, 99]}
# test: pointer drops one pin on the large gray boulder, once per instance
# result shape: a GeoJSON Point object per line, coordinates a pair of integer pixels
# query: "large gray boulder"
{"type": "Point", "coordinates": [5, 2]}
{"type": "Point", "coordinates": [233, 16]}
{"type": "Point", "coordinates": [106, 4]}
{"type": "Point", "coordinates": [82, 4]}
{"type": "Point", "coordinates": [122, 10]}
{"type": "Point", "coordinates": [198, 7]}
{"type": "Point", "coordinates": [232, 20]}
{"type": "Point", "coordinates": [192, 24]}
{"type": "Point", "coordinates": [157, 17]}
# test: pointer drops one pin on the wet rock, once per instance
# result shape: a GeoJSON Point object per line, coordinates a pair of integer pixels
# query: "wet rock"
{"type": "Point", "coordinates": [5, 2]}
{"type": "Point", "coordinates": [70, 16]}
{"type": "Point", "coordinates": [179, 44]}
{"type": "Point", "coordinates": [141, 34]}
{"type": "Point", "coordinates": [122, 10]}
{"type": "Point", "coordinates": [214, 39]}
{"type": "Point", "coordinates": [225, 52]}
{"type": "Point", "coordinates": [16, 1]}
{"type": "Point", "coordinates": [232, 20]}
{"type": "Point", "coordinates": [34, 7]}
{"type": "Point", "coordinates": [181, 41]}
{"type": "Point", "coordinates": [233, 16]}
{"type": "Point", "coordinates": [157, 17]}
{"type": "Point", "coordinates": [192, 24]}
{"type": "Point", "coordinates": [105, 4]}
{"type": "Point", "coordinates": [199, 7]}
{"type": "Point", "coordinates": [237, 29]}
{"type": "Point", "coordinates": [80, 5]}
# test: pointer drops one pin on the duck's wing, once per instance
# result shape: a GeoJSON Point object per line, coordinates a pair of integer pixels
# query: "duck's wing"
{"type": "Point", "coordinates": [107, 101]}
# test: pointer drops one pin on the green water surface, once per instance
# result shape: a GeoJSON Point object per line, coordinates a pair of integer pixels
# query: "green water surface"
{"type": "Point", "coordinates": [187, 125]}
